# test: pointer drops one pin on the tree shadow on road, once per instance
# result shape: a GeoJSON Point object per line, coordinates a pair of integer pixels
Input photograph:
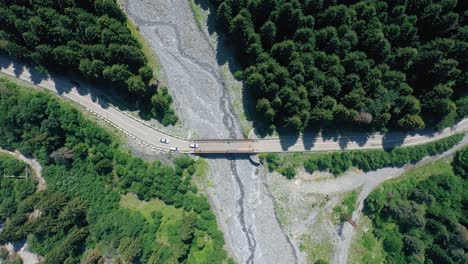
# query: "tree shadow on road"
{"type": "Point", "coordinates": [287, 138]}
{"type": "Point", "coordinates": [396, 139]}
{"type": "Point", "coordinates": [65, 83]}
{"type": "Point", "coordinates": [309, 137]}
{"type": "Point", "coordinates": [345, 136]}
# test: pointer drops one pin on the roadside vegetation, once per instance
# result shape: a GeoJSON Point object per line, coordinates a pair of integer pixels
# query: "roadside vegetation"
{"type": "Point", "coordinates": [86, 37]}
{"type": "Point", "coordinates": [371, 64]}
{"type": "Point", "coordinates": [421, 217]}
{"type": "Point", "coordinates": [366, 160]}
{"type": "Point", "coordinates": [93, 207]}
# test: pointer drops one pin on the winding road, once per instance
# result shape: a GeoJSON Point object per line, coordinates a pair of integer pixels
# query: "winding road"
{"type": "Point", "coordinates": [91, 99]}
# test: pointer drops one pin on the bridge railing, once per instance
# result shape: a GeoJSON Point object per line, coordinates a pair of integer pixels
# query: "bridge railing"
{"type": "Point", "coordinates": [223, 140]}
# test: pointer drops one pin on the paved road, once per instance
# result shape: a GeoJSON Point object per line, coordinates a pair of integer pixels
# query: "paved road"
{"type": "Point", "coordinates": [88, 97]}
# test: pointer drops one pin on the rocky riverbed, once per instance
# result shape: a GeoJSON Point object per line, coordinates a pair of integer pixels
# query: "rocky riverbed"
{"type": "Point", "coordinates": [242, 203]}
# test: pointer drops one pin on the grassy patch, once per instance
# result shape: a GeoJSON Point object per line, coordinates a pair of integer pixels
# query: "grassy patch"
{"type": "Point", "coordinates": [347, 206]}
{"type": "Point", "coordinates": [198, 14]}
{"type": "Point", "coordinates": [283, 163]}
{"type": "Point", "coordinates": [202, 169]}
{"type": "Point", "coordinates": [435, 168]}
{"type": "Point", "coordinates": [131, 201]}
{"type": "Point", "coordinates": [366, 248]}
{"type": "Point", "coordinates": [147, 50]}
{"type": "Point", "coordinates": [315, 249]}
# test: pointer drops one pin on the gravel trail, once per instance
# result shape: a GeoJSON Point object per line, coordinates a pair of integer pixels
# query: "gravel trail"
{"type": "Point", "coordinates": [306, 204]}
{"type": "Point", "coordinates": [20, 247]}
{"type": "Point", "coordinates": [41, 184]}
{"type": "Point", "coordinates": [243, 205]}
{"type": "Point", "coordinates": [371, 181]}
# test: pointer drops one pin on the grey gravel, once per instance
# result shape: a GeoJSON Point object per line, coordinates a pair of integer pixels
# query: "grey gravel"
{"type": "Point", "coordinates": [242, 203]}
{"type": "Point", "coordinates": [301, 200]}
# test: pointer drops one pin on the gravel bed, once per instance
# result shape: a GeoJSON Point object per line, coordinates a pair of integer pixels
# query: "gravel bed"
{"type": "Point", "coordinates": [243, 205]}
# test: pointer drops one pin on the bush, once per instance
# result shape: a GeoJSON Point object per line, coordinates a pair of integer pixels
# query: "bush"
{"type": "Point", "coordinates": [289, 172]}
{"type": "Point", "coordinates": [273, 161]}
{"type": "Point", "coordinates": [460, 163]}
{"type": "Point", "coordinates": [392, 243]}
{"type": "Point", "coordinates": [321, 261]}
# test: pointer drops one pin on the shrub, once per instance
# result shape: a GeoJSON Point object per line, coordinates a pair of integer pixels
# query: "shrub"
{"type": "Point", "coordinates": [289, 172]}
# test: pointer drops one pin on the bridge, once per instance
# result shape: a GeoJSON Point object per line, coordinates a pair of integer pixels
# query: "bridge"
{"type": "Point", "coordinates": [93, 101]}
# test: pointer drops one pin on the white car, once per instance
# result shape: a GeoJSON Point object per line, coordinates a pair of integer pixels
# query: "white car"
{"type": "Point", "coordinates": [174, 149]}
{"type": "Point", "coordinates": [164, 140]}
{"type": "Point", "coordinates": [193, 145]}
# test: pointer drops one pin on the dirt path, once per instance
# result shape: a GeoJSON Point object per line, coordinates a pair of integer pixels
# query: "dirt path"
{"type": "Point", "coordinates": [33, 164]}
{"type": "Point", "coordinates": [306, 204]}
{"type": "Point", "coordinates": [372, 181]}
{"type": "Point", "coordinates": [20, 248]}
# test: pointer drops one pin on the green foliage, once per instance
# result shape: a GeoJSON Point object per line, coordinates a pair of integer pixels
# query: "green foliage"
{"type": "Point", "coordinates": [347, 206]}
{"type": "Point", "coordinates": [385, 64]}
{"type": "Point", "coordinates": [161, 107]}
{"type": "Point", "coordinates": [88, 37]}
{"type": "Point", "coordinates": [460, 163]}
{"type": "Point", "coordinates": [13, 191]}
{"type": "Point", "coordinates": [11, 166]}
{"type": "Point", "coordinates": [3, 253]}
{"type": "Point", "coordinates": [366, 160]}
{"type": "Point", "coordinates": [86, 171]}
{"type": "Point", "coordinates": [272, 159]}
{"type": "Point", "coordinates": [421, 217]}
{"type": "Point", "coordinates": [321, 261]}
{"type": "Point", "coordinates": [376, 159]}
{"type": "Point", "coordinates": [289, 172]}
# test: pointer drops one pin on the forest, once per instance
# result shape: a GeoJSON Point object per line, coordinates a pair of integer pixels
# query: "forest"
{"type": "Point", "coordinates": [361, 64]}
{"type": "Point", "coordinates": [366, 160]}
{"type": "Point", "coordinates": [86, 37]}
{"type": "Point", "coordinates": [88, 171]}
{"type": "Point", "coordinates": [423, 219]}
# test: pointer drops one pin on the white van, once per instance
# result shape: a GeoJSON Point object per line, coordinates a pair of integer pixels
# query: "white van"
{"type": "Point", "coordinates": [174, 149]}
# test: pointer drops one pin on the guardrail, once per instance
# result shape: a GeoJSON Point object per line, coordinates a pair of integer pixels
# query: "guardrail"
{"type": "Point", "coordinates": [131, 135]}
{"type": "Point", "coordinates": [226, 140]}
{"type": "Point", "coordinates": [252, 151]}
{"type": "Point", "coordinates": [145, 124]}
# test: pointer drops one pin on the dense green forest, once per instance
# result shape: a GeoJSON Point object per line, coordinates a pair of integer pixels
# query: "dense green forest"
{"type": "Point", "coordinates": [423, 220]}
{"type": "Point", "coordinates": [87, 172]}
{"type": "Point", "coordinates": [359, 63]}
{"type": "Point", "coordinates": [89, 37]}
{"type": "Point", "coordinates": [366, 160]}
{"type": "Point", "coordinates": [12, 190]}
